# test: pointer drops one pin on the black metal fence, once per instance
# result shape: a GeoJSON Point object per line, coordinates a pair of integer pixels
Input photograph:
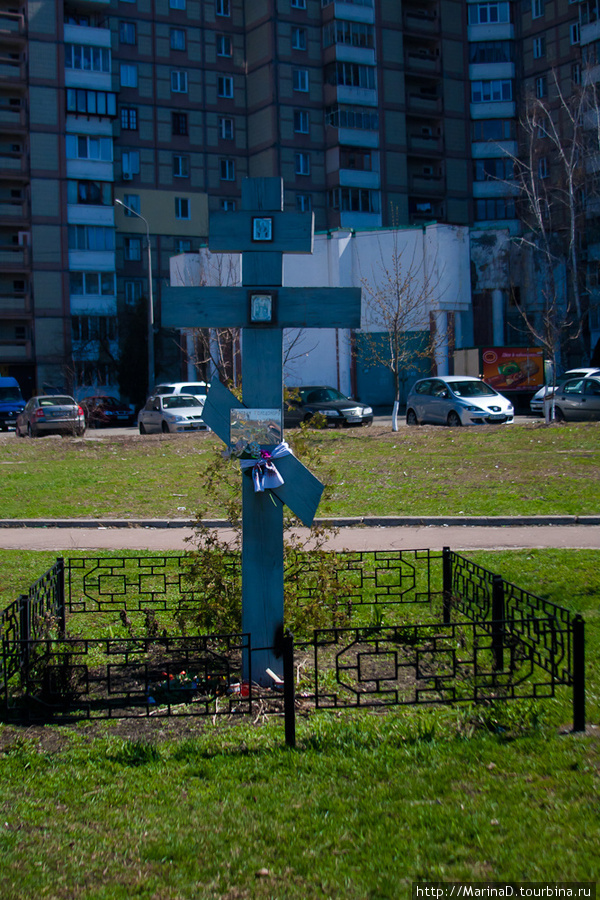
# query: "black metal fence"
{"type": "Point", "coordinates": [103, 637]}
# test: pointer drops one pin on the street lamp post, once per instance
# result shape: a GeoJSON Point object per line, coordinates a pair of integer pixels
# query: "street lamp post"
{"type": "Point", "coordinates": [150, 297]}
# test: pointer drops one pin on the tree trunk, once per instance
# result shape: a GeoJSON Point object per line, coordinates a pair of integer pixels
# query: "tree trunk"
{"type": "Point", "coordinates": [395, 415]}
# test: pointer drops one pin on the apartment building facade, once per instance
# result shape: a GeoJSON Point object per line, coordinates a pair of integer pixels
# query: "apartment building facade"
{"type": "Point", "coordinates": [376, 113]}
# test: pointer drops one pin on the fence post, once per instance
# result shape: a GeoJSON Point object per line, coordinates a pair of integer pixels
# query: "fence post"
{"type": "Point", "coordinates": [578, 673]}
{"type": "Point", "coordinates": [447, 583]}
{"type": "Point", "coordinates": [289, 691]}
{"type": "Point", "coordinates": [498, 621]}
{"type": "Point", "coordinates": [24, 630]}
{"type": "Point", "coordinates": [60, 611]}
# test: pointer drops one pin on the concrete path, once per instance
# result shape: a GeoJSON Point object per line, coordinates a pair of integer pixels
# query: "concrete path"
{"type": "Point", "coordinates": [377, 534]}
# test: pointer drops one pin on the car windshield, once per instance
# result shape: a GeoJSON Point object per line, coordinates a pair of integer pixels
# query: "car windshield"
{"type": "Point", "coordinates": [472, 389]}
{"type": "Point", "coordinates": [321, 395]}
{"type": "Point", "coordinates": [179, 401]}
{"type": "Point", "coordinates": [57, 401]}
{"type": "Point", "coordinates": [9, 393]}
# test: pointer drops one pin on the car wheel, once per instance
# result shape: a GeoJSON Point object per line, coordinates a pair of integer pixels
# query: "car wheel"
{"type": "Point", "coordinates": [411, 417]}
{"type": "Point", "coordinates": [18, 432]}
{"type": "Point", "coordinates": [559, 415]}
{"type": "Point", "coordinates": [454, 419]}
{"type": "Point", "coordinates": [165, 428]}
{"type": "Point", "coordinates": [142, 428]}
{"type": "Point", "coordinates": [30, 432]}
{"type": "Point", "coordinates": [80, 432]}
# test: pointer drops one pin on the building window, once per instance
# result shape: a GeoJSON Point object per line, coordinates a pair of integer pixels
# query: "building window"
{"type": "Point", "coordinates": [129, 118]}
{"type": "Point", "coordinates": [177, 4]}
{"type": "Point", "coordinates": [494, 169]}
{"type": "Point", "coordinates": [226, 128]}
{"type": "Point", "coordinates": [128, 75]}
{"type": "Point", "coordinates": [93, 372]}
{"type": "Point", "coordinates": [300, 80]}
{"type": "Point", "coordinates": [541, 87]}
{"type": "Point", "coordinates": [182, 208]}
{"type": "Point", "coordinates": [298, 4]}
{"type": "Point", "coordinates": [491, 91]}
{"type": "Point", "coordinates": [132, 247]}
{"type": "Point", "coordinates": [181, 166]}
{"type": "Point", "coordinates": [183, 245]}
{"type": "Point", "coordinates": [351, 75]}
{"type": "Point", "coordinates": [177, 39]}
{"type": "Point", "coordinates": [576, 73]}
{"type": "Point", "coordinates": [94, 328]}
{"type": "Point", "coordinates": [224, 45]}
{"type": "Point", "coordinates": [356, 158]}
{"type": "Point", "coordinates": [539, 47]}
{"type": "Point", "coordinates": [87, 146]}
{"type": "Point", "coordinates": [575, 33]}
{"type": "Point", "coordinates": [303, 203]}
{"type": "Point", "coordinates": [133, 201]}
{"type": "Point", "coordinates": [227, 169]}
{"type": "Point", "coordinates": [348, 199]}
{"type": "Point", "coordinates": [493, 130]}
{"type": "Point", "coordinates": [87, 58]}
{"type": "Point", "coordinates": [130, 163]}
{"type": "Point", "coordinates": [360, 117]}
{"type": "Point", "coordinates": [537, 9]}
{"type": "Point", "coordinates": [127, 33]}
{"type": "Point", "coordinates": [298, 38]}
{"type": "Point", "coordinates": [93, 193]}
{"type": "Point", "coordinates": [489, 13]}
{"type": "Point", "coordinates": [301, 121]}
{"type": "Point", "coordinates": [543, 169]}
{"type": "Point", "coordinates": [223, 7]}
{"type": "Point", "coordinates": [179, 81]}
{"type": "Point", "coordinates": [91, 237]}
{"type": "Point", "coordinates": [482, 52]}
{"type": "Point", "coordinates": [354, 34]}
{"type": "Point", "coordinates": [228, 205]}
{"type": "Point", "coordinates": [134, 291]}
{"type": "Point", "coordinates": [100, 284]}
{"type": "Point", "coordinates": [91, 103]}
{"type": "Point", "coordinates": [225, 86]}
{"type": "Point", "coordinates": [494, 208]}
{"type": "Point", "coordinates": [179, 124]}
{"type": "Point", "coordinates": [302, 164]}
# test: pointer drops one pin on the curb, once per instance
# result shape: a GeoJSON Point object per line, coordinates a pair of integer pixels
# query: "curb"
{"type": "Point", "coordinates": [347, 522]}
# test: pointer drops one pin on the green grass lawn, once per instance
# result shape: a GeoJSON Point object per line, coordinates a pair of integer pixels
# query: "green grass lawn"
{"type": "Point", "coordinates": [367, 803]}
{"type": "Point", "coordinates": [518, 470]}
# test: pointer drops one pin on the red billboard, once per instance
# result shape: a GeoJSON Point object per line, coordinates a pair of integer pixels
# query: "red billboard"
{"type": "Point", "coordinates": [513, 368]}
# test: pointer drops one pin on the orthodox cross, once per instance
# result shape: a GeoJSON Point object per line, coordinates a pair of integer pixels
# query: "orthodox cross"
{"type": "Point", "coordinates": [262, 307]}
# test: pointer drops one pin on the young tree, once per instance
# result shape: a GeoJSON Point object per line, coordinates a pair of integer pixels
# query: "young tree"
{"type": "Point", "coordinates": [550, 174]}
{"type": "Point", "coordinates": [399, 300]}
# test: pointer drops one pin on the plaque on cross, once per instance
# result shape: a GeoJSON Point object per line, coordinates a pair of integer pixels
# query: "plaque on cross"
{"type": "Point", "coordinates": [262, 307]}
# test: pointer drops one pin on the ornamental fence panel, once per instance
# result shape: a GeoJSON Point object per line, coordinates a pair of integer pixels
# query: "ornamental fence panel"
{"type": "Point", "coordinates": [105, 637]}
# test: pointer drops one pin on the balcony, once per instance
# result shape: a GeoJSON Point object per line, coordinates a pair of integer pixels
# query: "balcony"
{"type": "Point", "coordinates": [424, 104]}
{"type": "Point", "coordinates": [14, 212]}
{"type": "Point", "coordinates": [13, 258]}
{"type": "Point", "coordinates": [12, 118]}
{"type": "Point", "coordinates": [15, 303]}
{"type": "Point", "coordinates": [422, 62]}
{"type": "Point", "coordinates": [16, 351]}
{"type": "Point", "coordinates": [428, 144]}
{"type": "Point", "coordinates": [13, 27]}
{"type": "Point", "coordinates": [421, 21]}
{"type": "Point", "coordinates": [430, 185]}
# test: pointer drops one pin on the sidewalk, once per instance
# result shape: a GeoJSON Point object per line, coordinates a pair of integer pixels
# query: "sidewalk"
{"type": "Point", "coordinates": [388, 533]}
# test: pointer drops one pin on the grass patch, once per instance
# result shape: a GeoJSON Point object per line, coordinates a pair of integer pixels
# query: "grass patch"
{"type": "Point", "coordinates": [519, 470]}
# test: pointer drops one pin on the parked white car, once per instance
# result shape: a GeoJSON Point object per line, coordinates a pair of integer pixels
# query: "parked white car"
{"type": "Point", "coordinates": [536, 404]}
{"type": "Point", "coordinates": [456, 400]}
{"type": "Point", "coordinates": [198, 389]}
{"type": "Point", "coordinates": [171, 414]}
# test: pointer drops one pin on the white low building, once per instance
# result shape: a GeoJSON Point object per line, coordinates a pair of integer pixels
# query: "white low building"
{"type": "Point", "coordinates": [431, 264]}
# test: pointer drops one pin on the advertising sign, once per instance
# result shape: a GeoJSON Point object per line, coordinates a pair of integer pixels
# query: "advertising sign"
{"type": "Point", "coordinates": [513, 368]}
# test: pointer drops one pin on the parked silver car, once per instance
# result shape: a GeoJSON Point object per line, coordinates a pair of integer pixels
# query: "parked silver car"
{"type": "Point", "coordinates": [456, 400]}
{"type": "Point", "coordinates": [578, 400]}
{"type": "Point", "coordinates": [58, 414]}
{"type": "Point", "coordinates": [171, 413]}
{"type": "Point", "coordinates": [537, 401]}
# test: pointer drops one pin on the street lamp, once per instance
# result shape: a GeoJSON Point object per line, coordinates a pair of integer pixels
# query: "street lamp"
{"type": "Point", "coordinates": [150, 298]}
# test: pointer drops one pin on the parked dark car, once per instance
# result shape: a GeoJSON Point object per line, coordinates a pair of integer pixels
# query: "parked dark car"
{"type": "Point", "coordinates": [578, 400]}
{"type": "Point", "coordinates": [104, 411]}
{"type": "Point", "coordinates": [51, 415]}
{"type": "Point", "coordinates": [11, 402]}
{"type": "Point", "coordinates": [305, 402]}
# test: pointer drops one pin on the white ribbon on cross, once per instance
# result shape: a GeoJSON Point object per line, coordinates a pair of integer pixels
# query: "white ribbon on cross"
{"type": "Point", "coordinates": [264, 473]}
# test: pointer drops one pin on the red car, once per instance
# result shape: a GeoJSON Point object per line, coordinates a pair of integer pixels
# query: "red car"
{"type": "Point", "coordinates": [102, 412]}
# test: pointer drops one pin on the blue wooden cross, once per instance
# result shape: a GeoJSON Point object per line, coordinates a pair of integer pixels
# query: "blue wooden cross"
{"type": "Point", "coordinates": [262, 307]}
